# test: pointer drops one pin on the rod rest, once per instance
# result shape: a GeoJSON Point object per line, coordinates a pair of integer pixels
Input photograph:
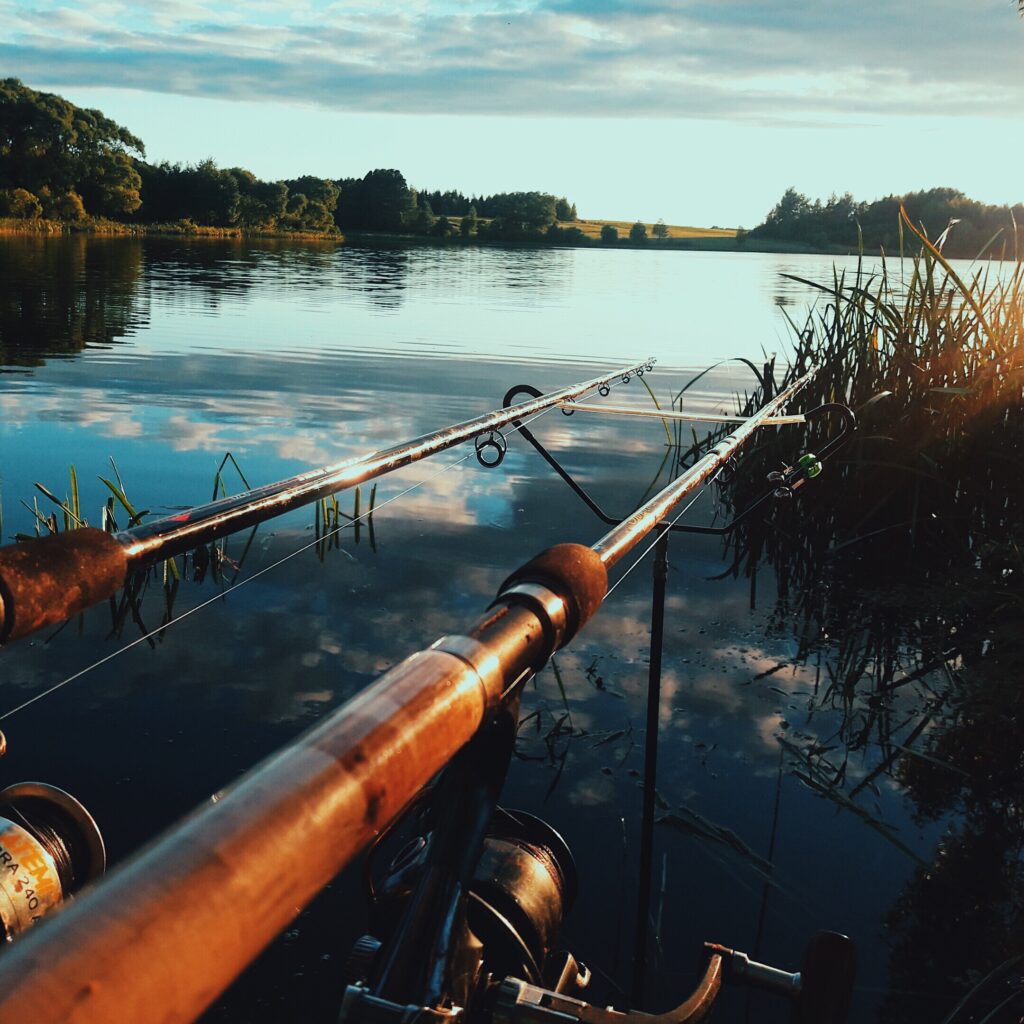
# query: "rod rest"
{"type": "Point", "coordinates": [47, 580]}
{"type": "Point", "coordinates": [574, 572]}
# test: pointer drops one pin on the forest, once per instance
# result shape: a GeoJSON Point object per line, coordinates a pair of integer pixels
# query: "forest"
{"type": "Point", "coordinates": [967, 228]}
{"type": "Point", "coordinates": [64, 163]}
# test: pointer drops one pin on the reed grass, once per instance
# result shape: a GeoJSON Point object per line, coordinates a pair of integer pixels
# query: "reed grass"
{"type": "Point", "coordinates": [70, 508]}
{"type": "Point", "coordinates": [906, 552]}
{"type": "Point", "coordinates": [899, 572]}
{"type": "Point", "coordinates": [219, 486]}
{"type": "Point", "coordinates": [329, 521]}
{"type": "Point", "coordinates": [932, 364]}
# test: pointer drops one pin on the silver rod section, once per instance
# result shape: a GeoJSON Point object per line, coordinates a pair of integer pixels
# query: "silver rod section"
{"type": "Point", "coordinates": [625, 410]}
{"type": "Point", "coordinates": [619, 541]}
{"type": "Point", "coordinates": [174, 534]}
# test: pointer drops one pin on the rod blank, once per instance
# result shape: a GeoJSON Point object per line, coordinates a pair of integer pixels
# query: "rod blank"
{"type": "Point", "coordinates": [620, 540]}
{"type": "Point", "coordinates": [658, 414]}
{"type": "Point", "coordinates": [175, 534]}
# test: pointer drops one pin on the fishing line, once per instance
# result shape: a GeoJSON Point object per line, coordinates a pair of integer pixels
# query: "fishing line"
{"type": "Point", "coordinates": [650, 548]}
{"type": "Point", "coordinates": [235, 586]}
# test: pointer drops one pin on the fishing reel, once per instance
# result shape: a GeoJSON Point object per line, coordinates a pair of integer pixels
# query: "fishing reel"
{"type": "Point", "coordinates": [50, 846]}
{"type": "Point", "coordinates": [820, 992]}
{"type": "Point", "coordinates": [507, 969]}
{"type": "Point", "coordinates": [523, 885]}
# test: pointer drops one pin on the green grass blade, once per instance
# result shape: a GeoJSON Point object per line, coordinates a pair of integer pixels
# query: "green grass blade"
{"type": "Point", "coordinates": [657, 405]}
{"type": "Point", "coordinates": [117, 475]}
{"type": "Point", "coordinates": [966, 292]}
{"type": "Point", "coordinates": [76, 508]}
{"type": "Point", "coordinates": [62, 505]}
{"type": "Point", "coordinates": [122, 499]}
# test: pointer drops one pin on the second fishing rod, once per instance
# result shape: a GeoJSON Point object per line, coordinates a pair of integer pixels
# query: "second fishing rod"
{"type": "Point", "coordinates": [46, 581]}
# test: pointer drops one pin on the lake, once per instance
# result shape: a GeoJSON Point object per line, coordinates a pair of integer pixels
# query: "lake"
{"type": "Point", "coordinates": [163, 355]}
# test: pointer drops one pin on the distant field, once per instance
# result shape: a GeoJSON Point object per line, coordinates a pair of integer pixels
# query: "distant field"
{"type": "Point", "coordinates": [592, 229]}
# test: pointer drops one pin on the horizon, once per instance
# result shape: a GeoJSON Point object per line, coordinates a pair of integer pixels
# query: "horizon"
{"type": "Point", "coordinates": [632, 111]}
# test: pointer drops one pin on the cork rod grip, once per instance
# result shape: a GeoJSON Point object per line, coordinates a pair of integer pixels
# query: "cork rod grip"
{"type": "Point", "coordinates": [45, 581]}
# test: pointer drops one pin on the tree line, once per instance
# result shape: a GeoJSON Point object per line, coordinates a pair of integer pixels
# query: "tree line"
{"type": "Point", "coordinates": [966, 227]}
{"type": "Point", "coordinates": [383, 201]}
{"type": "Point", "coordinates": [65, 163]}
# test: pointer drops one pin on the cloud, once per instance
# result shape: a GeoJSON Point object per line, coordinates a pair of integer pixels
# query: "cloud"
{"type": "Point", "coordinates": [740, 59]}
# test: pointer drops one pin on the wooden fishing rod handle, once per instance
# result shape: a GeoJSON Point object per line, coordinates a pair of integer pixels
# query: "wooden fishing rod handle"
{"type": "Point", "coordinates": [572, 571]}
{"type": "Point", "coordinates": [45, 581]}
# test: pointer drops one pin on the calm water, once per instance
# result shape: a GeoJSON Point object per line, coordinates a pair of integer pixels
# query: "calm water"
{"type": "Point", "coordinates": [164, 355]}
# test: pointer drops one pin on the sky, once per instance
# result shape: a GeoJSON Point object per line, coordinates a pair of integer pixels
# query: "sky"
{"type": "Point", "coordinates": [696, 111]}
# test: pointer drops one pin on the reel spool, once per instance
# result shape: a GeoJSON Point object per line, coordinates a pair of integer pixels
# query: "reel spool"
{"type": "Point", "coordinates": [524, 885]}
{"type": "Point", "coordinates": [50, 846]}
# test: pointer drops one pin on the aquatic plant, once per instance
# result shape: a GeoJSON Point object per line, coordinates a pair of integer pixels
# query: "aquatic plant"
{"type": "Point", "coordinates": [901, 578]}
{"type": "Point", "coordinates": [926, 494]}
{"type": "Point", "coordinates": [208, 560]}
{"type": "Point", "coordinates": [329, 521]}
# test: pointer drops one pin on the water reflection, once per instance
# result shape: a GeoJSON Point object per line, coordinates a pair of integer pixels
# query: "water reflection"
{"type": "Point", "coordinates": [587, 306]}
{"type": "Point", "coordinates": [59, 295]}
{"type": "Point", "coordinates": [778, 658]}
{"type": "Point", "coordinates": [379, 274]}
{"type": "Point", "coordinates": [536, 268]}
{"type": "Point", "coordinates": [903, 590]}
{"type": "Point", "coordinates": [959, 917]}
{"type": "Point", "coordinates": [209, 275]}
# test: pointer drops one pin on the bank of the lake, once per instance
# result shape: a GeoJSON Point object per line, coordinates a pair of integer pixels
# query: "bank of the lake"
{"type": "Point", "coordinates": [712, 241]}
{"type": "Point", "coordinates": [101, 226]}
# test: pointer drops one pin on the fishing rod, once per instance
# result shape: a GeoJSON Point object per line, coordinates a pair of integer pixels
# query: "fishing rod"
{"type": "Point", "coordinates": [45, 581]}
{"type": "Point", "coordinates": [168, 930]}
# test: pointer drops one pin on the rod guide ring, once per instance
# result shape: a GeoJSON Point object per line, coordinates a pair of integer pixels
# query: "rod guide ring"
{"type": "Point", "coordinates": [490, 450]}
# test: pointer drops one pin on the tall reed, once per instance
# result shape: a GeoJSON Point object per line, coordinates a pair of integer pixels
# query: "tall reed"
{"type": "Point", "coordinates": [900, 569]}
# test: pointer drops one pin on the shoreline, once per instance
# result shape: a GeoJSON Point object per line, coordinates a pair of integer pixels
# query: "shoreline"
{"type": "Point", "coordinates": [113, 229]}
{"type": "Point", "coordinates": [180, 229]}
